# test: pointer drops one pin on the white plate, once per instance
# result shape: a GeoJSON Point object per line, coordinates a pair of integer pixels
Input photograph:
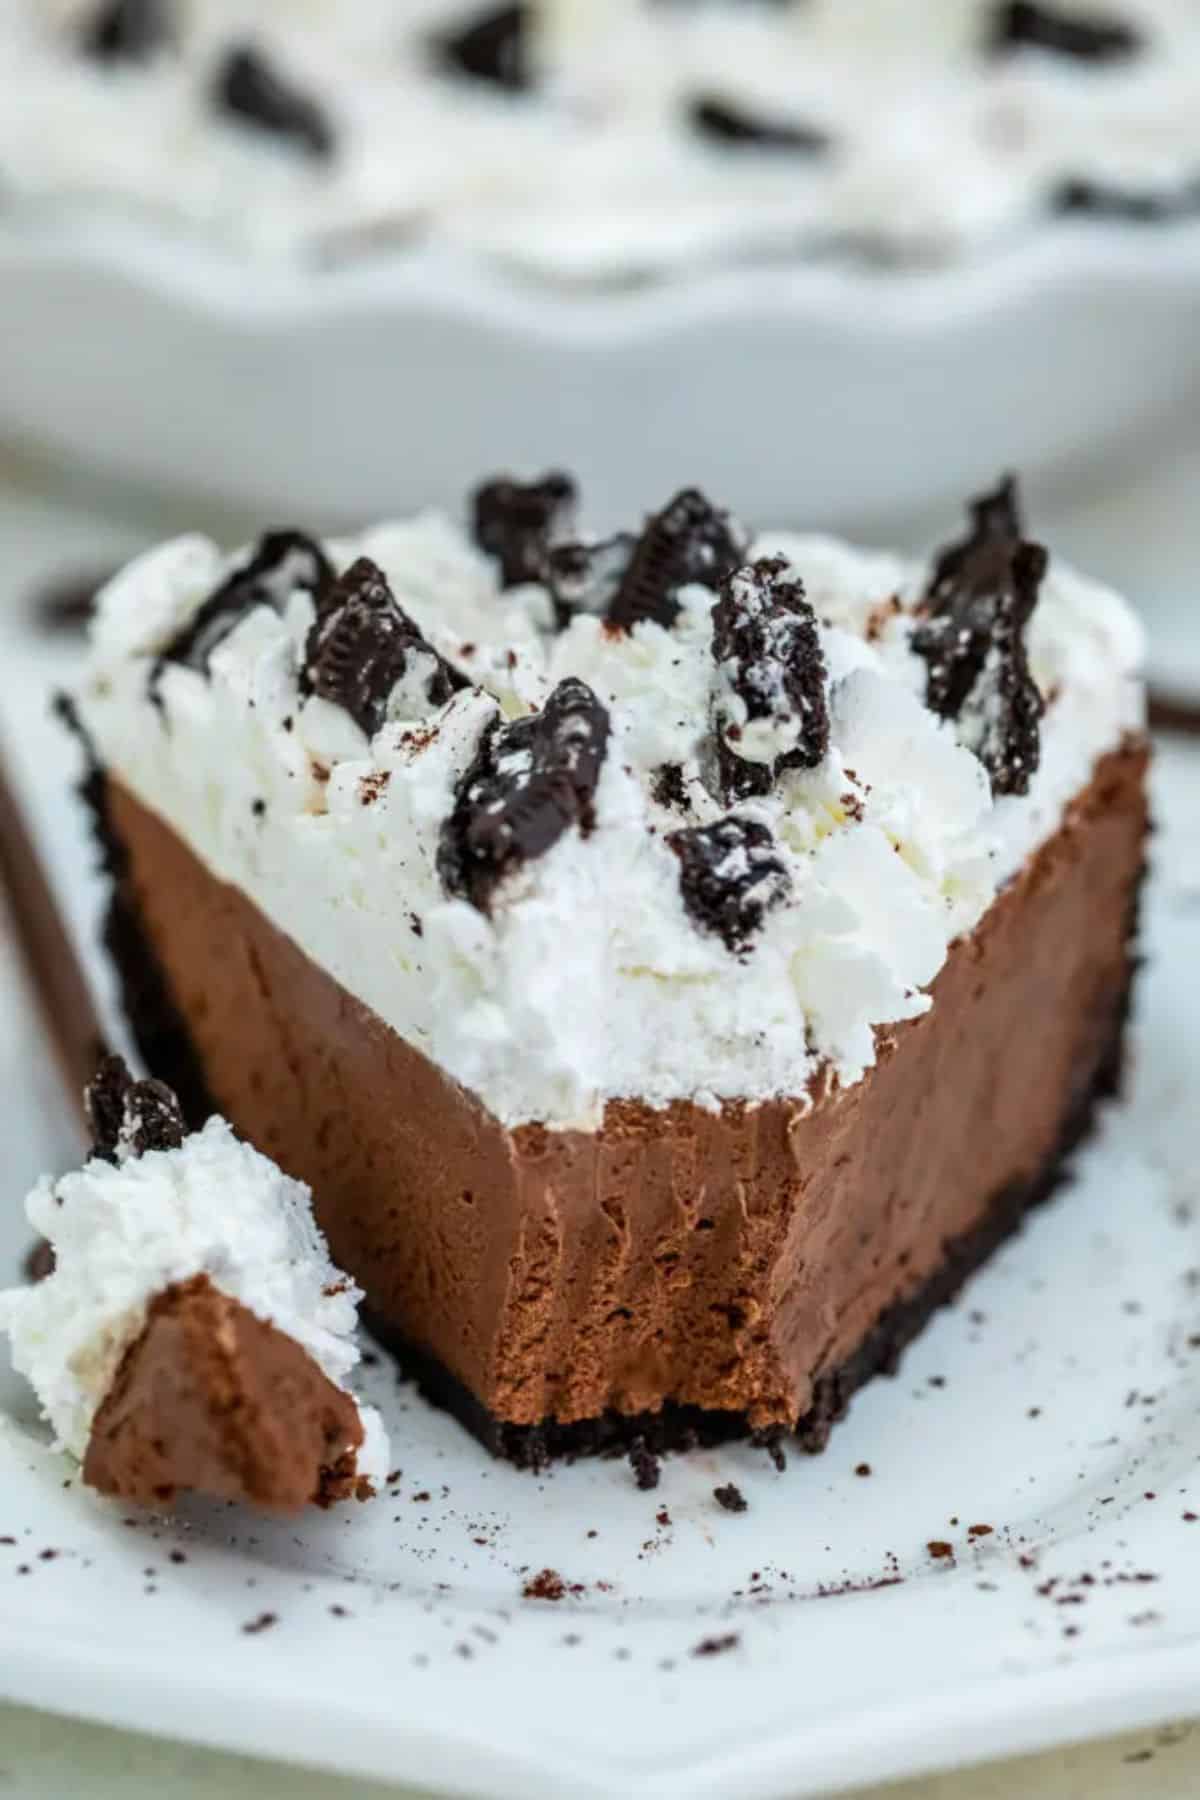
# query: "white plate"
{"type": "Point", "coordinates": [790, 393]}
{"type": "Point", "coordinates": [1071, 1395]}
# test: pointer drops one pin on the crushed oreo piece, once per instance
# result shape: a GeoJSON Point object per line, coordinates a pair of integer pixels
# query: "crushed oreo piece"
{"type": "Point", "coordinates": [492, 46]}
{"type": "Point", "coordinates": [256, 94]}
{"type": "Point", "coordinates": [127, 1117]}
{"type": "Point", "coordinates": [730, 876]}
{"type": "Point", "coordinates": [363, 644]}
{"type": "Point", "coordinates": [515, 522]}
{"type": "Point", "coordinates": [667, 787]}
{"type": "Point", "coordinates": [971, 634]}
{"type": "Point", "coordinates": [690, 540]}
{"type": "Point", "coordinates": [1102, 38]}
{"type": "Point", "coordinates": [644, 1464]}
{"type": "Point", "coordinates": [585, 577]}
{"type": "Point", "coordinates": [770, 712]}
{"type": "Point", "coordinates": [127, 30]}
{"type": "Point", "coordinates": [283, 561]}
{"type": "Point", "coordinates": [530, 780]}
{"type": "Point", "coordinates": [731, 1498]}
{"type": "Point", "coordinates": [725, 122]}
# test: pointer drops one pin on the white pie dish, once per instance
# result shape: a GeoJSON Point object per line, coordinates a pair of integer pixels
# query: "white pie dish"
{"type": "Point", "coordinates": [810, 391]}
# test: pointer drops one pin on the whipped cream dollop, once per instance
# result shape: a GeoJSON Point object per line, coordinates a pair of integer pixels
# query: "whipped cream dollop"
{"type": "Point", "coordinates": [632, 944]}
{"type": "Point", "coordinates": [125, 1230]}
{"type": "Point", "coordinates": [598, 140]}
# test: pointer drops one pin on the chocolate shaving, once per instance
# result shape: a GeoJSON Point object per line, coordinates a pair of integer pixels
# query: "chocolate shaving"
{"type": "Point", "coordinates": [731, 1498]}
{"type": "Point", "coordinates": [256, 94]}
{"type": "Point", "coordinates": [128, 1117]}
{"type": "Point", "coordinates": [127, 30]}
{"type": "Point", "coordinates": [730, 876]}
{"type": "Point", "coordinates": [768, 651]}
{"type": "Point", "coordinates": [493, 46]}
{"type": "Point", "coordinates": [688, 541]}
{"type": "Point", "coordinates": [727, 123]}
{"type": "Point", "coordinates": [515, 522]}
{"type": "Point", "coordinates": [283, 562]}
{"type": "Point", "coordinates": [528, 783]}
{"type": "Point", "coordinates": [1102, 38]}
{"type": "Point", "coordinates": [363, 643]}
{"type": "Point", "coordinates": [971, 634]}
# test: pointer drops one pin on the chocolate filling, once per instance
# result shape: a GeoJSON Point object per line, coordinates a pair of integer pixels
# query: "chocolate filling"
{"type": "Point", "coordinates": [681, 1275]}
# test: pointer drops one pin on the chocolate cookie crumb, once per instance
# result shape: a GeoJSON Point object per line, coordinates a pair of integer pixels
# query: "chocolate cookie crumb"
{"type": "Point", "coordinates": [530, 780]}
{"type": "Point", "coordinates": [283, 561]}
{"type": "Point", "coordinates": [1101, 38]}
{"type": "Point", "coordinates": [725, 122]}
{"type": "Point", "coordinates": [863, 1469]}
{"type": "Point", "coordinates": [492, 46]}
{"type": "Point", "coordinates": [128, 1117]}
{"type": "Point", "coordinates": [126, 30]}
{"type": "Point", "coordinates": [645, 1465]}
{"type": "Point", "coordinates": [39, 1261]}
{"type": "Point", "coordinates": [731, 1498]}
{"type": "Point", "coordinates": [716, 1646]}
{"type": "Point", "coordinates": [1131, 205]}
{"type": "Point", "coordinates": [667, 787]}
{"type": "Point", "coordinates": [516, 522]}
{"type": "Point", "coordinates": [263, 1622]}
{"type": "Point", "coordinates": [730, 877]}
{"type": "Point", "coordinates": [363, 646]}
{"type": "Point", "coordinates": [252, 91]}
{"type": "Point", "coordinates": [770, 711]}
{"type": "Point", "coordinates": [971, 634]}
{"type": "Point", "coordinates": [548, 1585]}
{"type": "Point", "coordinates": [772, 1442]}
{"type": "Point", "coordinates": [939, 1549]}
{"type": "Point", "coordinates": [690, 540]}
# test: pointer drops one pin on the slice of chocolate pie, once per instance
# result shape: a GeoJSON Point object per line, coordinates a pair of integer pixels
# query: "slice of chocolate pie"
{"type": "Point", "coordinates": [188, 1330]}
{"type": "Point", "coordinates": [675, 961]}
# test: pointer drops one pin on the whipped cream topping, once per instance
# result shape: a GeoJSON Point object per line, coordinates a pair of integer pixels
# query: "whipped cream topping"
{"type": "Point", "coordinates": [124, 1231]}
{"type": "Point", "coordinates": [621, 148]}
{"type": "Point", "coordinates": [587, 976]}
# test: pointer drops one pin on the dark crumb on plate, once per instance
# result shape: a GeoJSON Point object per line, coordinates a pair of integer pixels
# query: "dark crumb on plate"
{"type": "Point", "coordinates": [645, 1465]}
{"type": "Point", "coordinates": [731, 1498]}
{"type": "Point", "coordinates": [716, 1646]}
{"type": "Point", "coordinates": [863, 1469]}
{"type": "Point", "coordinates": [550, 1585]}
{"type": "Point", "coordinates": [177, 1556]}
{"type": "Point", "coordinates": [939, 1549]}
{"type": "Point", "coordinates": [662, 1516]}
{"type": "Point", "coordinates": [263, 1622]}
{"type": "Point", "coordinates": [980, 1531]}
